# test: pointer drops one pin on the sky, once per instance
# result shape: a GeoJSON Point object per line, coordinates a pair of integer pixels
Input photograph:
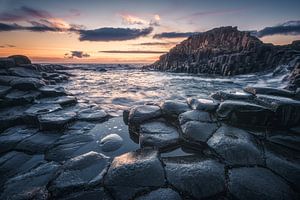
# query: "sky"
{"type": "Point", "coordinates": [132, 31]}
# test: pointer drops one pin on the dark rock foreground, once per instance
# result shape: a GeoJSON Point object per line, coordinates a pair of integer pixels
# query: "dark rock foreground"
{"type": "Point", "coordinates": [228, 146]}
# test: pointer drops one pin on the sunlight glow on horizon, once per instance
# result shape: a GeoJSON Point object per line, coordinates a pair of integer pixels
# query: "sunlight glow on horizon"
{"type": "Point", "coordinates": [68, 22]}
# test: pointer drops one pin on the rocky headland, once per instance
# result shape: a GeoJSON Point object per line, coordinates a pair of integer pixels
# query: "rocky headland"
{"type": "Point", "coordinates": [230, 145]}
{"type": "Point", "coordinates": [225, 51]}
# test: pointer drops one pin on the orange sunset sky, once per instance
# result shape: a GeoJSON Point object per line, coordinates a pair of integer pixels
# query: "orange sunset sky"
{"type": "Point", "coordinates": [131, 31]}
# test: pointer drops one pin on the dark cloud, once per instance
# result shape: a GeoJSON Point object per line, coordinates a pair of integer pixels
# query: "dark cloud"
{"type": "Point", "coordinates": [9, 27]}
{"type": "Point", "coordinates": [7, 46]}
{"type": "Point", "coordinates": [23, 13]}
{"type": "Point", "coordinates": [35, 13]}
{"type": "Point", "coordinates": [174, 34]}
{"type": "Point", "coordinates": [11, 46]}
{"type": "Point", "coordinates": [287, 28]}
{"type": "Point", "coordinates": [135, 51]}
{"type": "Point", "coordinates": [76, 54]}
{"type": "Point", "coordinates": [101, 34]}
{"type": "Point", "coordinates": [156, 43]}
{"type": "Point", "coordinates": [37, 27]}
{"type": "Point", "coordinates": [113, 34]}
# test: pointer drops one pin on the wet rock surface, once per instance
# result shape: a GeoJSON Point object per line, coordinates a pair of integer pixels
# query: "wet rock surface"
{"type": "Point", "coordinates": [198, 178]}
{"type": "Point", "coordinates": [81, 171]}
{"type": "Point", "coordinates": [248, 183]}
{"type": "Point", "coordinates": [231, 145]}
{"type": "Point", "coordinates": [160, 194]}
{"type": "Point", "coordinates": [158, 134]}
{"type": "Point", "coordinates": [226, 143]}
{"type": "Point", "coordinates": [134, 172]}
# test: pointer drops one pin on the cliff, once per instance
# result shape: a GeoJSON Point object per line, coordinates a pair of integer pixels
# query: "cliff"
{"type": "Point", "coordinates": [225, 51]}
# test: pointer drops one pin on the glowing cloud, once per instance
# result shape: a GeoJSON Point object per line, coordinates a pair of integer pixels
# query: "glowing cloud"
{"type": "Point", "coordinates": [132, 20]}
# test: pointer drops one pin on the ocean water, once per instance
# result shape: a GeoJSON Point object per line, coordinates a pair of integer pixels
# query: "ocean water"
{"type": "Point", "coordinates": [122, 86]}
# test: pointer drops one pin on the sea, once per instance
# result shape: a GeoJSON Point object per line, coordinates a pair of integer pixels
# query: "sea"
{"type": "Point", "coordinates": [115, 87]}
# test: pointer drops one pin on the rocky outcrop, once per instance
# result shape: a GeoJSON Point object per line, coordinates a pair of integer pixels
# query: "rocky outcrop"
{"type": "Point", "coordinates": [225, 51]}
{"type": "Point", "coordinates": [294, 77]}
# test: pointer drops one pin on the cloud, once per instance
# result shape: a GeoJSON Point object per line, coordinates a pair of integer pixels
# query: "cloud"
{"type": "Point", "coordinates": [113, 34]}
{"type": "Point", "coordinates": [23, 13]}
{"type": "Point", "coordinates": [76, 54]}
{"type": "Point", "coordinates": [154, 23]}
{"type": "Point", "coordinates": [132, 20]}
{"type": "Point", "coordinates": [287, 28]}
{"type": "Point", "coordinates": [134, 51]}
{"type": "Point", "coordinates": [37, 27]}
{"type": "Point", "coordinates": [43, 21]}
{"type": "Point", "coordinates": [129, 19]}
{"type": "Point", "coordinates": [7, 46]}
{"type": "Point", "coordinates": [174, 34]}
{"type": "Point", "coordinates": [101, 34]}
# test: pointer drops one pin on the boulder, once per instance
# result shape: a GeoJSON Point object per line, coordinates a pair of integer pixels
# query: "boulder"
{"type": "Point", "coordinates": [68, 146]}
{"type": "Point", "coordinates": [236, 146]}
{"type": "Point", "coordinates": [37, 143]}
{"type": "Point", "coordinates": [198, 132]}
{"type": "Point", "coordinates": [17, 97]}
{"type": "Point", "coordinates": [6, 63]}
{"type": "Point", "coordinates": [93, 194]}
{"type": "Point", "coordinates": [287, 110]}
{"type": "Point", "coordinates": [242, 96]}
{"type": "Point", "coordinates": [134, 172]}
{"type": "Point", "coordinates": [294, 76]}
{"type": "Point", "coordinates": [200, 178]}
{"type": "Point", "coordinates": [196, 115]}
{"type": "Point", "coordinates": [12, 116]}
{"type": "Point", "coordinates": [244, 113]}
{"type": "Point", "coordinates": [5, 80]}
{"type": "Point", "coordinates": [25, 72]}
{"type": "Point", "coordinates": [285, 162]}
{"type": "Point", "coordinates": [288, 139]}
{"type": "Point", "coordinates": [20, 59]}
{"type": "Point", "coordinates": [111, 142]}
{"type": "Point", "coordinates": [52, 91]}
{"type": "Point", "coordinates": [92, 114]}
{"type": "Point", "coordinates": [258, 183]}
{"type": "Point", "coordinates": [269, 91]}
{"type": "Point", "coordinates": [140, 114]}
{"type": "Point", "coordinates": [27, 83]}
{"type": "Point", "coordinates": [158, 134]}
{"type": "Point", "coordinates": [82, 171]}
{"type": "Point", "coordinates": [12, 136]}
{"type": "Point", "coordinates": [16, 163]}
{"type": "Point", "coordinates": [160, 194]}
{"type": "Point", "coordinates": [31, 185]}
{"type": "Point", "coordinates": [56, 120]}
{"type": "Point", "coordinates": [172, 108]}
{"type": "Point", "coordinates": [61, 100]}
{"type": "Point", "coordinates": [38, 109]}
{"type": "Point", "coordinates": [202, 104]}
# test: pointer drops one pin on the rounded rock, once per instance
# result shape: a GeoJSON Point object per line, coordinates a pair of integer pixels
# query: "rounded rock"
{"type": "Point", "coordinates": [111, 142]}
